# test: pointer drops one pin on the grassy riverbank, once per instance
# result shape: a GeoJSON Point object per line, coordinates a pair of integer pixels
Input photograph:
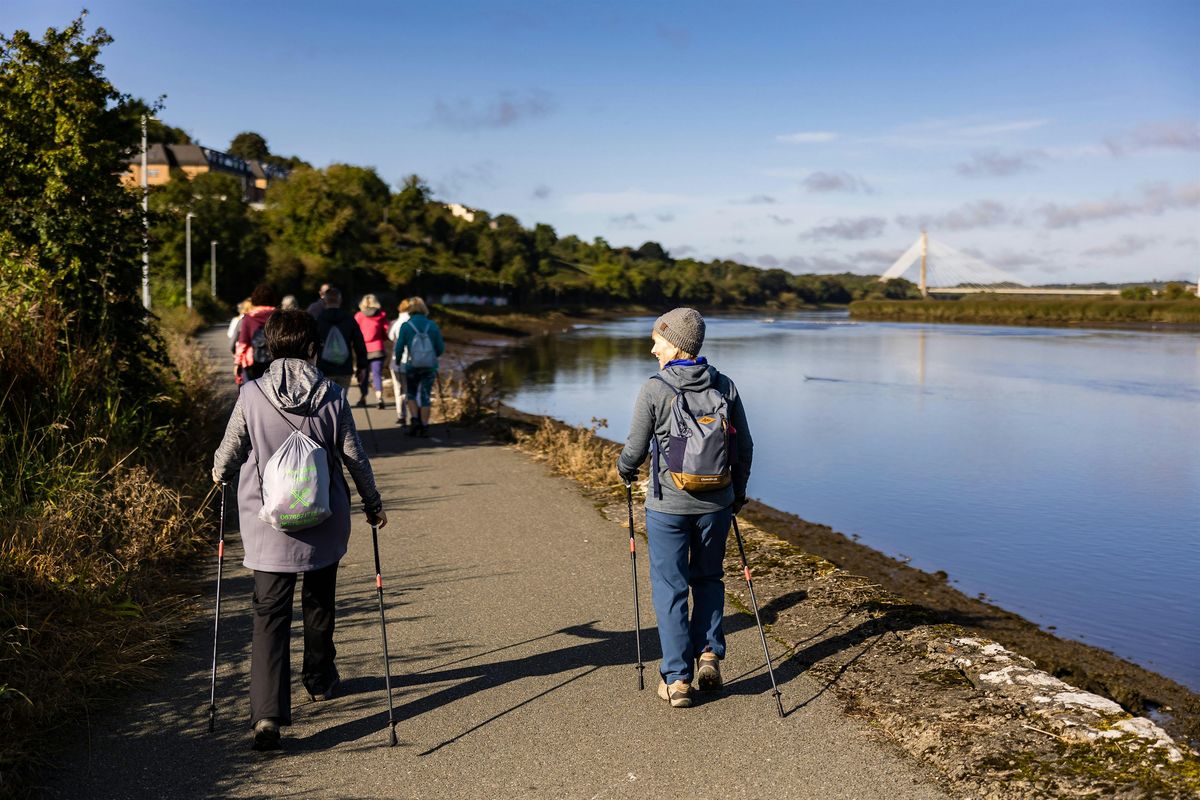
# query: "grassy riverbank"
{"type": "Point", "coordinates": [103, 504]}
{"type": "Point", "coordinates": [1009, 310]}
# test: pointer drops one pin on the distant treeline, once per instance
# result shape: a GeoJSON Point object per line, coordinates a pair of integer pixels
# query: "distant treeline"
{"type": "Point", "coordinates": [345, 225]}
{"type": "Point", "coordinates": [1033, 311]}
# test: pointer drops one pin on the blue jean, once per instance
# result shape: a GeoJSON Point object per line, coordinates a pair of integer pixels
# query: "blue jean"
{"type": "Point", "coordinates": [420, 386]}
{"type": "Point", "coordinates": [688, 550]}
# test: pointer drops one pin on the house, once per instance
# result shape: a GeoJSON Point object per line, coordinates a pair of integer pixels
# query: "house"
{"type": "Point", "coordinates": [193, 159]}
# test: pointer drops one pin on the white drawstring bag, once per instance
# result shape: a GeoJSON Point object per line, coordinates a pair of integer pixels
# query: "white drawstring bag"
{"type": "Point", "coordinates": [295, 485]}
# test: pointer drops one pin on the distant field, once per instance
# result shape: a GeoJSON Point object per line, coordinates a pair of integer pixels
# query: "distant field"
{"type": "Point", "coordinates": [1027, 311]}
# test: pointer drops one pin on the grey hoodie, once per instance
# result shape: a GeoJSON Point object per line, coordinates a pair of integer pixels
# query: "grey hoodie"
{"type": "Point", "coordinates": [293, 391]}
{"type": "Point", "coordinates": [652, 417]}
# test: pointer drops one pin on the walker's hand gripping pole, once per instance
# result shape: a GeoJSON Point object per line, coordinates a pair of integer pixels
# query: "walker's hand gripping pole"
{"type": "Point", "coordinates": [387, 667]}
{"type": "Point", "coordinates": [212, 696]}
{"type": "Point", "coordinates": [757, 619]}
{"type": "Point", "coordinates": [637, 612]}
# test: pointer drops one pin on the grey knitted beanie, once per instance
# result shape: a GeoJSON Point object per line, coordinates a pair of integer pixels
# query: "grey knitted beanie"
{"type": "Point", "coordinates": [682, 327]}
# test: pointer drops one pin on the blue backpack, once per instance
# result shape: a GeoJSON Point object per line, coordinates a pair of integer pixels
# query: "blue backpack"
{"type": "Point", "coordinates": [700, 443]}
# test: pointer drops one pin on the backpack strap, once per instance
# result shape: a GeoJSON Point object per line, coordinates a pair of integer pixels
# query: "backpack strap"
{"type": "Point", "coordinates": [312, 432]}
{"type": "Point", "coordinates": [655, 483]}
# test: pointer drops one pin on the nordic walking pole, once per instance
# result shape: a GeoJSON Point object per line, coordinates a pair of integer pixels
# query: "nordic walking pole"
{"type": "Point", "coordinates": [387, 664]}
{"type": "Point", "coordinates": [437, 377]}
{"type": "Point", "coordinates": [754, 603]}
{"type": "Point", "coordinates": [637, 612]}
{"type": "Point", "coordinates": [212, 695]}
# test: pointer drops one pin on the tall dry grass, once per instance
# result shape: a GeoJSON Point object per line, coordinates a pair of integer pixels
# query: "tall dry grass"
{"type": "Point", "coordinates": [102, 502]}
{"type": "Point", "coordinates": [577, 452]}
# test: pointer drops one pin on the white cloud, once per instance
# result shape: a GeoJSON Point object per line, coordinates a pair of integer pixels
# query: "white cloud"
{"type": "Point", "coordinates": [1180, 135]}
{"type": "Point", "coordinates": [847, 228]}
{"type": "Point", "coordinates": [1125, 246]}
{"type": "Point", "coordinates": [632, 200]}
{"type": "Point", "coordinates": [835, 182]}
{"type": "Point", "coordinates": [993, 163]}
{"type": "Point", "coordinates": [979, 214]}
{"type": "Point", "coordinates": [1155, 200]}
{"type": "Point", "coordinates": [806, 137]}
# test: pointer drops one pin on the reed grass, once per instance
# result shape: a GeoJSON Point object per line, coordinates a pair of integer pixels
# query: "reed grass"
{"type": "Point", "coordinates": [1026, 311]}
{"type": "Point", "coordinates": [577, 452]}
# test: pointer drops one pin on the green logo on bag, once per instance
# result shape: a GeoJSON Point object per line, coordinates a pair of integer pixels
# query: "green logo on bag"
{"type": "Point", "coordinates": [300, 497]}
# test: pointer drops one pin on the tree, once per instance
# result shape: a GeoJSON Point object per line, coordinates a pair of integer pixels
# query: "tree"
{"type": "Point", "coordinates": [325, 225]}
{"type": "Point", "coordinates": [250, 146]}
{"type": "Point", "coordinates": [222, 216]}
{"type": "Point", "coordinates": [70, 233]}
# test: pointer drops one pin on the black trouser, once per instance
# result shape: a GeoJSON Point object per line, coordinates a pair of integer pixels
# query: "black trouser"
{"type": "Point", "coordinates": [270, 653]}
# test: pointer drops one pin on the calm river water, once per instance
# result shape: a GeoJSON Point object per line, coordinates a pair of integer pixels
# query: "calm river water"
{"type": "Point", "coordinates": [1055, 470]}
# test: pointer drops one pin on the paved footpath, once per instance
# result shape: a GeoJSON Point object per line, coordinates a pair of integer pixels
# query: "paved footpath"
{"type": "Point", "coordinates": [510, 627]}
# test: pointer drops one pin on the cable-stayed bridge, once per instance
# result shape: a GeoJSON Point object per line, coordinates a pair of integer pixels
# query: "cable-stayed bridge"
{"type": "Point", "coordinates": [944, 270]}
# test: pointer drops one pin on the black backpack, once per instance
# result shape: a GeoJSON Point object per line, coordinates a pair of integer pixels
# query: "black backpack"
{"type": "Point", "coordinates": [258, 343]}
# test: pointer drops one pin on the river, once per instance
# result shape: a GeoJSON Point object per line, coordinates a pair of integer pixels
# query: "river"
{"type": "Point", "coordinates": [1054, 470]}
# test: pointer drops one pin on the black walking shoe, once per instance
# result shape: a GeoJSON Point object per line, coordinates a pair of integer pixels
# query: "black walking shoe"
{"type": "Point", "coordinates": [266, 734]}
{"type": "Point", "coordinates": [379, 405]}
{"type": "Point", "coordinates": [362, 402]}
{"type": "Point", "coordinates": [335, 683]}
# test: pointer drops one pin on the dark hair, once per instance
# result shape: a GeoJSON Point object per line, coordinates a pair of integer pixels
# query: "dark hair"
{"type": "Point", "coordinates": [291, 333]}
{"type": "Point", "coordinates": [263, 295]}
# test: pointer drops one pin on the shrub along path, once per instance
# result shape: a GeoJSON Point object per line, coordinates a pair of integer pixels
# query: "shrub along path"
{"type": "Point", "coordinates": [509, 621]}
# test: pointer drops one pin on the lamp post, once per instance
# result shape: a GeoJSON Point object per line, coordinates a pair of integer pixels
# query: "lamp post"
{"type": "Point", "coordinates": [212, 266]}
{"type": "Point", "coordinates": [145, 223]}
{"type": "Point", "coordinates": [188, 248]}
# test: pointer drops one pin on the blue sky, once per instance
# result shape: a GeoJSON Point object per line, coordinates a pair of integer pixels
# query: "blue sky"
{"type": "Point", "coordinates": [1058, 140]}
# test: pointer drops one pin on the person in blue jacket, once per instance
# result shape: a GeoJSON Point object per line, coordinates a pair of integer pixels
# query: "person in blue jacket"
{"type": "Point", "coordinates": [421, 338]}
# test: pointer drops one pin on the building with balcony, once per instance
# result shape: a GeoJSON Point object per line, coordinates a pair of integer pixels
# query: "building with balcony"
{"type": "Point", "coordinates": [164, 160]}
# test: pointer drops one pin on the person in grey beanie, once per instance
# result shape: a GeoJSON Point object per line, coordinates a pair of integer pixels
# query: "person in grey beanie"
{"type": "Point", "coordinates": [686, 527]}
{"type": "Point", "coordinates": [292, 395]}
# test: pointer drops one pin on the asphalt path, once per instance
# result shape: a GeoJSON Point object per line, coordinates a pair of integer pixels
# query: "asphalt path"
{"type": "Point", "coordinates": [509, 619]}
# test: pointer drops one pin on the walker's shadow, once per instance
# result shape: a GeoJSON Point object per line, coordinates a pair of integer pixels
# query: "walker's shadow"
{"type": "Point", "coordinates": [601, 649]}
{"type": "Point", "coordinates": [797, 659]}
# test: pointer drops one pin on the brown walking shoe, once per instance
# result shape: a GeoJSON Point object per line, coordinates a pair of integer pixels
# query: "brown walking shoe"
{"type": "Point", "coordinates": [678, 694]}
{"type": "Point", "coordinates": [708, 673]}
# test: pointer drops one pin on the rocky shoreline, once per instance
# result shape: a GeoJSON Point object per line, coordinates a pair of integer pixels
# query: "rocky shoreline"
{"type": "Point", "coordinates": [996, 705]}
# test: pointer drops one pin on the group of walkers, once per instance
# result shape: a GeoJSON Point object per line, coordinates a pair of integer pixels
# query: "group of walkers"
{"type": "Point", "coordinates": [352, 346]}
{"type": "Point", "coordinates": [688, 418]}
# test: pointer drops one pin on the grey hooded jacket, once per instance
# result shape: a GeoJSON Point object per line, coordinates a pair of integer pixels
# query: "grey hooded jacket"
{"type": "Point", "coordinates": [652, 417]}
{"type": "Point", "coordinates": [293, 391]}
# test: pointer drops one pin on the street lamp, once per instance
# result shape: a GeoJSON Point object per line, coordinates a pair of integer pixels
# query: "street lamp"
{"type": "Point", "coordinates": [145, 221]}
{"type": "Point", "coordinates": [188, 226]}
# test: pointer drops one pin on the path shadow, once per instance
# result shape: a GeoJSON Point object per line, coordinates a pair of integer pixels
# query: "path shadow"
{"type": "Point", "coordinates": [600, 649]}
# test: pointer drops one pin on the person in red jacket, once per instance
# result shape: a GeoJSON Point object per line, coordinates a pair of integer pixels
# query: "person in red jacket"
{"type": "Point", "coordinates": [250, 354]}
{"type": "Point", "coordinates": [372, 321]}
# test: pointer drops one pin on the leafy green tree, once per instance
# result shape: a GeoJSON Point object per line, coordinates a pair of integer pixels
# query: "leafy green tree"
{"type": "Point", "coordinates": [70, 232]}
{"type": "Point", "coordinates": [249, 145]}
{"type": "Point", "coordinates": [220, 215]}
{"type": "Point", "coordinates": [325, 225]}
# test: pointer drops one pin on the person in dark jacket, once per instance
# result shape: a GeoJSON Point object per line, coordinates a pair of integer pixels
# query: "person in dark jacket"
{"type": "Point", "coordinates": [292, 394]}
{"type": "Point", "coordinates": [340, 372]}
{"type": "Point", "coordinates": [317, 306]}
{"type": "Point", "coordinates": [686, 529]}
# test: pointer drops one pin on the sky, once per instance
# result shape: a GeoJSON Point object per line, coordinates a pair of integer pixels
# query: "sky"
{"type": "Point", "coordinates": [1055, 140]}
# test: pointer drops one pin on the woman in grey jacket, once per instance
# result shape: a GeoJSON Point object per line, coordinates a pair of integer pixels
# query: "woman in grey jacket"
{"type": "Point", "coordinates": [686, 529]}
{"type": "Point", "coordinates": [291, 395]}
